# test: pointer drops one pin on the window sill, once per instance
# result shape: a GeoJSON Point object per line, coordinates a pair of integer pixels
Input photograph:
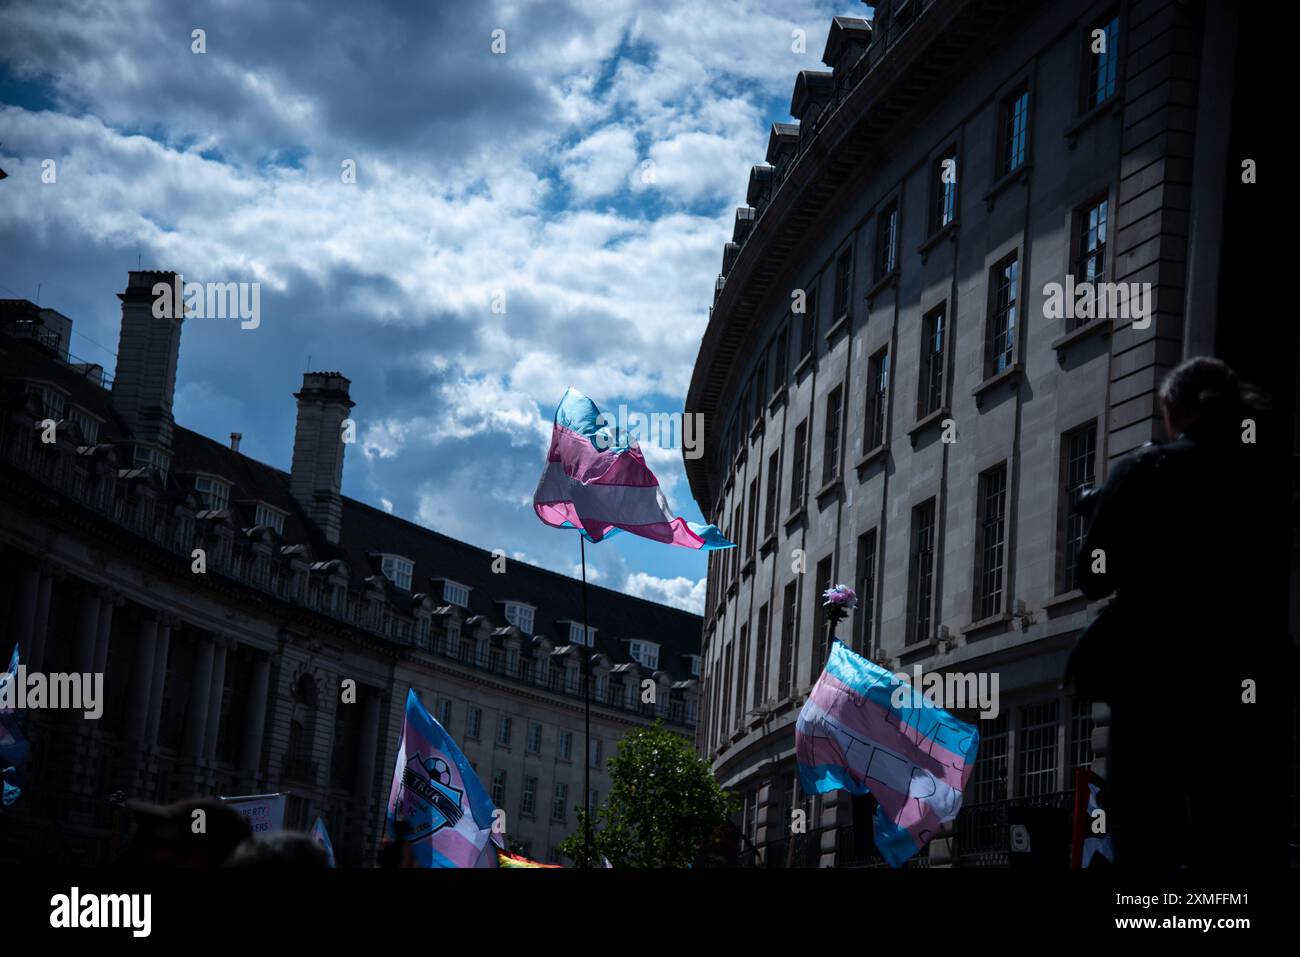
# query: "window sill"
{"type": "Point", "coordinates": [884, 282]}
{"type": "Point", "coordinates": [934, 418]}
{"type": "Point", "coordinates": [837, 327]}
{"type": "Point", "coordinates": [732, 587]}
{"type": "Point", "coordinates": [1114, 104]}
{"type": "Point", "coordinates": [947, 232]}
{"type": "Point", "coordinates": [768, 543]}
{"type": "Point", "coordinates": [876, 454]}
{"type": "Point", "coordinates": [985, 625]}
{"type": "Point", "coordinates": [831, 485]}
{"type": "Point", "coordinates": [930, 644]}
{"type": "Point", "coordinates": [777, 398]}
{"type": "Point", "coordinates": [795, 516]}
{"type": "Point", "coordinates": [1018, 175]}
{"type": "Point", "coordinates": [740, 458]}
{"type": "Point", "coordinates": [1065, 600]}
{"type": "Point", "coordinates": [747, 569]}
{"type": "Point", "coordinates": [1093, 327]}
{"type": "Point", "coordinates": [1010, 375]}
{"type": "Point", "coordinates": [756, 429]}
{"type": "Point", "coordinates": [804, 363]}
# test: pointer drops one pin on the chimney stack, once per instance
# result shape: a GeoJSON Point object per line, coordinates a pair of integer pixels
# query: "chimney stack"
{"type": "Point", "coordinates": [234, 440]}
{"type": "Point", "coordinates": [147, 352]}
{"type": "Point", "coordinates": [316, 476]}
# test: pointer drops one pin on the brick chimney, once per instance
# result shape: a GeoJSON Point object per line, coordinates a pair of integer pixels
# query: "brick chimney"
{"type": "Point", "coordinates": [147, 353]}
{"type": "Point", "coordinates": [316, 477]}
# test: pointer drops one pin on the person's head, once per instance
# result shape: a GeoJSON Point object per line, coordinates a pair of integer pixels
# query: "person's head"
{"type": "Point", "coordinates": [196, 833]}
{"type": "Point", "coordinates": [280, 849]}
{"type": "Point", "coordinates": [1205, 390]}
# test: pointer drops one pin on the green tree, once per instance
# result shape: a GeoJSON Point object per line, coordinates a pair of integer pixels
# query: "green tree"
{"type": "Point", "coordinates": [664, 805]}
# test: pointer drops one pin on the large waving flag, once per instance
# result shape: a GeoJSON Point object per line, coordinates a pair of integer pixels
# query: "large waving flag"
{"type": "Point", "coordinates": [322, 837]}
{"type": "Point", "coordinates": [866, 731]}
{"type": "Point", "coordinates": [13, 743]}
{"type": "Point", "coordinates": [438, 794]}
{"type": "Point", "coordinates": [597, 484]}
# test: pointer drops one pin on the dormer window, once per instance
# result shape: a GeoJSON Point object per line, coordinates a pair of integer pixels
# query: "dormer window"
{"type": "Point", "coordinates": [146, 457]}
{"type": "Point", "coordinates": [398, 570]}
{"type": "Point", "coordinates": [214, 493]}
{"type": "Point", "coordinates": [52, 402]}
{"type": "Point", "coordinates": [520, 615]}
{"type": "Point", "coordinates": [576, 637]}
{"type": "Point", "coordinates": [695, 665]}
{"type": "Point", "coordinates": [89, 427]}
{"type": "Point", "coordinates": [645, 653]}
{"type": "Point", "coordinates": [272, 518]}
{"type": "Point", "coordinates": [455, 593]}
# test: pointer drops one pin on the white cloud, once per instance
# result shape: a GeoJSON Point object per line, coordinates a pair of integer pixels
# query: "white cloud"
{"type": "Point", "coordinates": [680, 592]}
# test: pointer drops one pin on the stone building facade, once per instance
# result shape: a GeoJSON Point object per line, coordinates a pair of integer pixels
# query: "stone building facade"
{"type": "Point", "coordinates": [231, 680]}
{"type": "Point", "coordinates": [924, 428]}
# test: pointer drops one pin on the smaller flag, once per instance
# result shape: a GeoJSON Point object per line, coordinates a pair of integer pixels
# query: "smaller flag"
{"type": "Point", "coordinates": [865, 731]}
{"type": "Point", "coordinates": [322, 837]}
{"type": "Point", "coordinates": [13, 743]}
{"type": "Point", "coordinates": [596, 482]}
{"type": "Point", "coordinates": [436, 792]}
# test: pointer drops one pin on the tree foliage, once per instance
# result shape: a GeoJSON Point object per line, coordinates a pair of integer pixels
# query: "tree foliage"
{"type": "Point", "coordinates": [664, 805]}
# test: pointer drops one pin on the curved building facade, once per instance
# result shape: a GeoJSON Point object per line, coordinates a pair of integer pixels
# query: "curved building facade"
{"type": "Point", "coordinates": [899, 397]}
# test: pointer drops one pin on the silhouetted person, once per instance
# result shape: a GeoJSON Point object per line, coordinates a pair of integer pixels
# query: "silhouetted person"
{"type": "Point", "coordinates": [1174, 534]}
{"type": "Point", "coordinates": [170, 835]}
{"type": "Point", "coordinates": [280, 849]}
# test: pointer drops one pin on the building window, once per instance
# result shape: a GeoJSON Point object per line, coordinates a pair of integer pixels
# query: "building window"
{"type": "Point", "coordinates": [271, 518]}
{"type": "Point", "coordinates": [1081, 734]}
{"type": "Point", "coordinates": [808, 343]}
{"type": "Point", "coordinates": [789, 641]}
{"type": "Point", "coordinates": [473, 721]}
{"type": "Point", "coordinates": [528, 806]}
{"type": "Point", "coordinates": [646, 653]}
{"type": "Point", "coordinates": [725, 723]}
{"type": "Point", "coordinates": [89, 427]}
{"type": "Point", "coordinates": [782, 368]}
{"type": "Point", "coordinates": [695, 665]}
{"type": "Point", "coordinates": [455, 593]}
{"type": "Point", "coordinates": [521, 616]}
{"type": "Point", "coordinates": [1015, 131]}
{"type": "Point", "coordinates": [821, 631]}
{"type": "Point", "coordinates": [444, 713]}
{"type": "Point", "coordinates": [499, 788]}
{"type": "Point", "coordinates": [398, 570]}
{"type": "Point", "coordinates": [887, 241]}
{"type": "Point", "coordinates": [453, 640]}
{"type": "Point", "coordinates": [1090, 227]}
{"type": "Point", "coordinates": [932, 363]}
{"type": "Point", "coordinates": [1003, 282]}
{"type": "Point", "coordinates": [760, 390]}
{"type": "Point", "coordinates": [866, 589]}
{"type": "Point", "coordinates": [594, 753]}
{"type": "Point", "coordinates": [921, 593]}
{"type": "Point", "coordinates": [843, 284]}
{"type": "Point", "coordinates": [148, 458]}
{"type": "Point", "coordinates": [831, 448]}
{"type": "Point", "coordinates": [943, 194]}
{"type": "Point", "coordinates": [1078, 474]}
{"type": "Point", "coordinates": [576, 636]}
{"type": "Point", "coordinates": [799, 466]}
{"type": "Point", "coordinates": [773, 492]}
{"type": "Point", "coordinates": [991, 550]}
{"type": "Point", "coordinates": [566, 745]}
{"type": "Point", "coordinates": [503, 730]}
{"type": "Point", "coordinates": [751, 532]}
{"type": "Point", "coordinates": [742, 671]}
{"type": "Point", "coordinates": [1102, 57]}
{"type": "Point", "coordinates": [737, 526]}
{"type": "Point", "coordinates": [877, 400]}
{"type": "Point", "coordinates": [214, 493]}
{"type": "Point", "coordinates": [560, 804]}
{"type": "Point", "coordinates": [989, 780]}
{"type": "Point", "coordinates": [52, 404]}
{"type": "Point", "coordinates": [1036, 753]}
{"type": "Point", "coordinates": [760, 657]}
{"type": "Point", "coordinates": [535, 739]}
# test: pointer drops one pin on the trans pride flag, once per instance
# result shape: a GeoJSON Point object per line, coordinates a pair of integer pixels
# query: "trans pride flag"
{"type": "Point", "coordinates": [438, 794]}
{"type": "Point", "coordinates": [915, 759]}
{"type": "Point", "coordinates": [594, 483]}
{"type": "Point", "coordinates": [322, 837]}
{"type": "Point", "coordinates": [13, 744]}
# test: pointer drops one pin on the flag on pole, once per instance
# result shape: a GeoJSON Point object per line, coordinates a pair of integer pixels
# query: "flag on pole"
{"type": "Point", "coordinates": [864, 730]}
{"type": "Point", "coordinates": [13, 743]}
{"type": "Point", "coordinates": [322, 837]}
{"type": "Point", "coordinates": [597, 483]}
{"type": "Point", "coordinates": [436, 791]}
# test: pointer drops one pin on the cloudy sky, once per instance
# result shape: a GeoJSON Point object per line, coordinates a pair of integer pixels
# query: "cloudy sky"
{"type": "Point", "coordinates": [586, 178]}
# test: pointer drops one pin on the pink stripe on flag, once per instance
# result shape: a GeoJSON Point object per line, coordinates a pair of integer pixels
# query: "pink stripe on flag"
{"type": "Point", "coordinates": [592, 466]}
